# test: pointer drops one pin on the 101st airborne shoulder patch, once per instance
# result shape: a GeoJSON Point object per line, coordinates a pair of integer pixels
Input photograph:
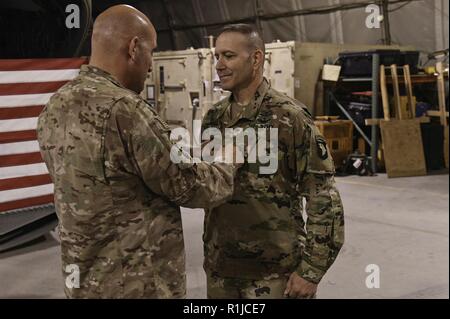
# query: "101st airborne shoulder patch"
{"type": "Point", "coordinates": [320, 160]}
{"type": "Point", "coordinates": [322, 150]}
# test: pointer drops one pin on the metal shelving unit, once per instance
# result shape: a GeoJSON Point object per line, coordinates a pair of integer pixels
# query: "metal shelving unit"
{"type": "Point", "coordinates": [373, 142]}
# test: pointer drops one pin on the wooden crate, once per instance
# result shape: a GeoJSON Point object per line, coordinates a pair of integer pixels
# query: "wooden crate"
{"type": "Point", "coordinates": [339, 137]}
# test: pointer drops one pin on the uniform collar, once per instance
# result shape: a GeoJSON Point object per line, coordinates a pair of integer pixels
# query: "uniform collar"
{"type": "Point", "coordinates": [89, 70]}
{"type": "Point", "coordinates": [249, 111]}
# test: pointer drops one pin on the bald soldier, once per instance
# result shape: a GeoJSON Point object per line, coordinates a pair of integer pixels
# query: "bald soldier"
{"type": "Point", "coordinates": [257, 245]}
{"type": "Point", "coordinates": [117, 194]}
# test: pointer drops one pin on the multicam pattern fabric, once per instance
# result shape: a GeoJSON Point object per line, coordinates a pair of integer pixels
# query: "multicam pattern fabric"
{"type": "Point", "coordinates": [270, 287]}
{"type": "Point", "coordinates": [117, 194]}
{"type": "Point", "coordinates": [261, 230]}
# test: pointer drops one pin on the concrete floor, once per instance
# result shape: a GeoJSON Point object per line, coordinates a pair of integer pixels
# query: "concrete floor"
{"type": "Point", "coordinates": [401, 225]}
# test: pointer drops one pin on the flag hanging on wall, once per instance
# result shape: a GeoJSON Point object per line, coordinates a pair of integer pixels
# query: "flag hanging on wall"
{"type": "Point", "coordinates": [25, 87]}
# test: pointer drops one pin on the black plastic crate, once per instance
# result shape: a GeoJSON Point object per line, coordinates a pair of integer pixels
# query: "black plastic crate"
{"type": "Point", "coordinates": [412, 59]}
{"type": "Point", "coordinates": [360, 63]}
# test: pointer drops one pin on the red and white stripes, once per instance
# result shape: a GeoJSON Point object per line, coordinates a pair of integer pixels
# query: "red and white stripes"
{"type": "Point", "coordinates": [25, 87]}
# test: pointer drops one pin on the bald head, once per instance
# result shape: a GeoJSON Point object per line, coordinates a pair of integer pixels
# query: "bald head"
{"type": "Point", "coordinates": [123, 39]}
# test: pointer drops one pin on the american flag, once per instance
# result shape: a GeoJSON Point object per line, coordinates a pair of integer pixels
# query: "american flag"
{"type": "Point", "coordinates": [25, 87]}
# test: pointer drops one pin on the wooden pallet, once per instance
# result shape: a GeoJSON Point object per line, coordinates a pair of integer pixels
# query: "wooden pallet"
{"type": "Point", "coordinates": [404, 106]}
{"type": "Point", "coordinates": [339, 137]}
{"type": "Point", "coordinates": [443, 115]}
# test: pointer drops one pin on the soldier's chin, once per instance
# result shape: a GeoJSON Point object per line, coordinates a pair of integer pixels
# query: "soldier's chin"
{"type": "Point", "coordinates": [138, 88]}
{"type": "Point", "coordinates": [225, 85]}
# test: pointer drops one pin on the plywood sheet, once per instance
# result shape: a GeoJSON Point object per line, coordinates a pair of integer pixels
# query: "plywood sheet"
{"type": "Point", "coordinates": [403, 149]}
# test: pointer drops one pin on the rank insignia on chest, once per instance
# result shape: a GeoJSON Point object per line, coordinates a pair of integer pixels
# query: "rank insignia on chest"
{"type": "Point", "coordinates": [263, 125]}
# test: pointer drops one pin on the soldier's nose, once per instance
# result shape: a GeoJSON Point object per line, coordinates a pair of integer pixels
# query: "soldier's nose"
{"type": "Point", "coordinates": [219, 67]}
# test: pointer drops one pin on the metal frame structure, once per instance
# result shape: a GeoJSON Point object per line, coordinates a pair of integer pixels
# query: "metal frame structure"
{"type": "Point", "coordinates": [375, 79]}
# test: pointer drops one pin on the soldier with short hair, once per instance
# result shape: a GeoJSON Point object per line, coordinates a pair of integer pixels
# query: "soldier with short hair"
{"type": "Point", "coordinates": [117, 193]}
{"type": "Point", "coordinates": [257, 245]}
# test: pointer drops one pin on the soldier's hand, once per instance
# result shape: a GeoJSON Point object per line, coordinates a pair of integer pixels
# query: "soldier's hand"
{"type": "Point", "coordinates": [297, 287]}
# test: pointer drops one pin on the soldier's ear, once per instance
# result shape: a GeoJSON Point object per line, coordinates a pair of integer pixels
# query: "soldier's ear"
{"type": "Point", "coordinates": [132, 48]}
{"type": "Point", "coordinates": [258, 59]}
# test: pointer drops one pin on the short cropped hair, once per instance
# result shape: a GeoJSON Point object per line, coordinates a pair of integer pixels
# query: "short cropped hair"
{"type": "Point", "coordinates": [254, 38]}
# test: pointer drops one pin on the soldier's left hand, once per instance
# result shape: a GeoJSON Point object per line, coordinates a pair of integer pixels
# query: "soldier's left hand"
{"type": "Point", "coordinates": [297, 287]}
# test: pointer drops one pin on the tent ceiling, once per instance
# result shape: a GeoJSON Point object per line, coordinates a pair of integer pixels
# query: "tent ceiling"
{"type": "Point", "coordinates": [188, 23]}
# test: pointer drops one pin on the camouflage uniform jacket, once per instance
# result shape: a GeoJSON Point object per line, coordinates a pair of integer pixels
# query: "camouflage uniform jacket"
{"type": "Point", "coordinates": [117, 193]}
{"type": "Point", "coordinates": [261, 231]}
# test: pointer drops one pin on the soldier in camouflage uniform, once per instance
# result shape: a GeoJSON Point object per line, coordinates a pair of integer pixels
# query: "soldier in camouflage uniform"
{"type": "Point", "coordinates": [117, 193]}
{"type": "Point", "coordinates": [257, 245]}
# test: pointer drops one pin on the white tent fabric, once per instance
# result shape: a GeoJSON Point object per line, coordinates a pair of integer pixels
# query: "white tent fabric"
{"type": "Point", "coordinates": [420, 23]}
